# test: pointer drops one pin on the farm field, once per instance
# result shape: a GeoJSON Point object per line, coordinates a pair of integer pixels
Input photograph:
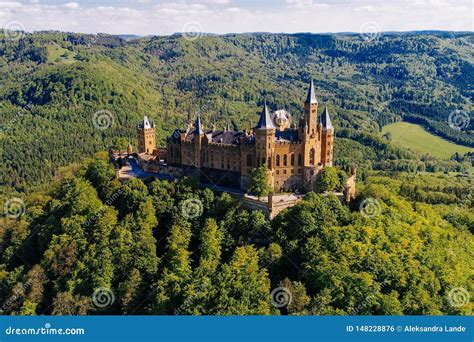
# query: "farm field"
{"type": "Point", "coordinates": [416, 138]}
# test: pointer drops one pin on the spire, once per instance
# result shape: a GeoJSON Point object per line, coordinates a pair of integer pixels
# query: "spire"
{"type": "Point", "coordinates": [147, 123]}
{"type": "Point", "coordinates": [311, 97]}
{"type": "Point", "coordinates": [265, 121]}
{"type": "Point", "coordinates": [326, 120]}
{"type": "Point", "coordinates": [198, 130]}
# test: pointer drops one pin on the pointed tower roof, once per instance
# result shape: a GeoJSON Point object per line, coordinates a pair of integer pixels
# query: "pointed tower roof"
{"type": "Point", "coordinates": [198, 125]}
{"type": "Point", "coordinates": [326, 120]}
{"type": "Point", "coordinates": [311, 97]}
{"type": "Point", "coordinates": [146, 123]}
{"type": "Point", "coordinates": [265, 121]}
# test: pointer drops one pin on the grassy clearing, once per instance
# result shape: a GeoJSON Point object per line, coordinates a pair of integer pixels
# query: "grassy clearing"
{"type": "Point", "coordinates": [416, 138]}
{"type": "Point", "coordinates": [57, 54]}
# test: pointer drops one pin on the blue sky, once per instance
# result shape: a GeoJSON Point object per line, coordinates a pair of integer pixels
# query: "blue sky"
{"type": "Point", "coordinates": [163, 17]}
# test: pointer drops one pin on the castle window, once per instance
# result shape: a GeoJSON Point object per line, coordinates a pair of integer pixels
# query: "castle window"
{"type": "Point", "coordinates": [292, 159]}
{"type": "Point", "coordinates": [277, 160]}
{"type": "Point", "coordinates": [249, 160]}
{"type": "Point", "coordinates": [292, 171]}
{"type": "Point", "coordinates": [311, 156]}
{"type": "Point", "coordinates": [300, 159]}
{"type": "Point", "coordinates": [269, 162]}
{"type": "Point", "coordinates": [284, 172]}
{"type": "Point", "coordinates": [285, 160]}
{"type": "Point", "coordinates": [277, 172]}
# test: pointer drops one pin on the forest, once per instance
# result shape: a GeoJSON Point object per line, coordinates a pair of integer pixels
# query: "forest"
{"type": "Point", "coordinates": [76, 241]}
{"type": "Point", "coordinates": [139, 244]}
{"type": "Point", "coordinates": [53, 83]}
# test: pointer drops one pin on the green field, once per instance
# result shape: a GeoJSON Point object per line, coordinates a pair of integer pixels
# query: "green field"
{"type": "Point", "coordinates": [57, 54]}
{"type": "Point", "coordinates": [416, 138]}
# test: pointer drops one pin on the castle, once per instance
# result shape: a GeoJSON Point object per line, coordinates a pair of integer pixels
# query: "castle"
{"type": "Point", "coordinates": [293, 154]}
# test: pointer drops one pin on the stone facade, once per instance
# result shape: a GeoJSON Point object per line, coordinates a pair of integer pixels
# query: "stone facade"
{"type": "Point", "coordinates": [294, 155]}
{"type": "Point", "coordinates": [146, 134]}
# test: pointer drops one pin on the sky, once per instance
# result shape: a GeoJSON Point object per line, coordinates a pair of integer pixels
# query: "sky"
{"type": "Point", "coordinates": [164, 17]}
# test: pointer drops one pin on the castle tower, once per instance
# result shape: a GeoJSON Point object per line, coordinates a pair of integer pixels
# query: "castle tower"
{"type": "Point", "coordinates": [199, 136]}
{"type": "Point", "coordinates": [310, 128]}
{"type": "Point", "coordinates": [146, 136]}
{"type": "Point", "coordinates": [327, 138]}
{"type": "Point", "coordinates": [265, 142]}
{"type": "Point", "coordinates": [311, 111]}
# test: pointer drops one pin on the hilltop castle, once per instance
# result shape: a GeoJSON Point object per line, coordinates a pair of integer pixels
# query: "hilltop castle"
{"type": "Point", "coordinates": [293, 155]}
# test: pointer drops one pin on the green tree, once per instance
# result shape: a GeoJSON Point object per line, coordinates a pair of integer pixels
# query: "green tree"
{"type": "Point", "coordinates": [175, 278]}
{"type": "Point", "coordinates": [328, 180]}
{"type": "Point", "coordinates": [242, 288]}
{"type": "Point", "coordinates": [258, 183]}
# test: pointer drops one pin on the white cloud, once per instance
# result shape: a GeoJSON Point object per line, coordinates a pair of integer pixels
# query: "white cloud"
{"type": "Point", "coordinates": [223, 16]}
{"type": "Point", "coordinates": [72, 5]}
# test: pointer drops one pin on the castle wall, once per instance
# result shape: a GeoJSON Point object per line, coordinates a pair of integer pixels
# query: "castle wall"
{"type": "Point", "coordinates": [288, 166]}
{"type": "Point", "coordinates": [146, 140]}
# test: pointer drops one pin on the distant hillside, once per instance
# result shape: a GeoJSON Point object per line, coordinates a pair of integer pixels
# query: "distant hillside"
{"type": "Point", "coordinates": [53, 83]}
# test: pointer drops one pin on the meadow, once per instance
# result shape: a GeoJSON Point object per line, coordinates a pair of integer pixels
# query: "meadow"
{"type": "Point", "coordinates": [416, 138]}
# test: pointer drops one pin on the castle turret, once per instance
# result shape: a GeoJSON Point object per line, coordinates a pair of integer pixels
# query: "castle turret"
{"type": "Point", "coordinates": [327, 138]}
{"type": "Point", "coordinates": [199, 136]}
{"type": "Point", "coordinates": [146, 136]}
{"type": "Point", "coordinates": [311, 110]}
{"type": "Point", "coordinates": [310, 131]}
{"type": "Point", "coordinates": [265, 141]}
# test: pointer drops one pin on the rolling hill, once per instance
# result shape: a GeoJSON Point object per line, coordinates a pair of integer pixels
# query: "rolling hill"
{"type": "Point", "coordinates": [53, 83]}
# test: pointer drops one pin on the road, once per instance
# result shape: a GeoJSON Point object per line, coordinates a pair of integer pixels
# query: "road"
{"type": "Point", "coordinates": [135, 171]}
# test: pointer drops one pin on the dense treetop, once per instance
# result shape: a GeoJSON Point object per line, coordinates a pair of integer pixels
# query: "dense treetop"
{"type": "Point", "coordinates": [134, 240]}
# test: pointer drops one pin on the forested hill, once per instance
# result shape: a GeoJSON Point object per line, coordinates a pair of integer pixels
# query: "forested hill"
{"type": "Point", "coordinates": [53, 83]}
